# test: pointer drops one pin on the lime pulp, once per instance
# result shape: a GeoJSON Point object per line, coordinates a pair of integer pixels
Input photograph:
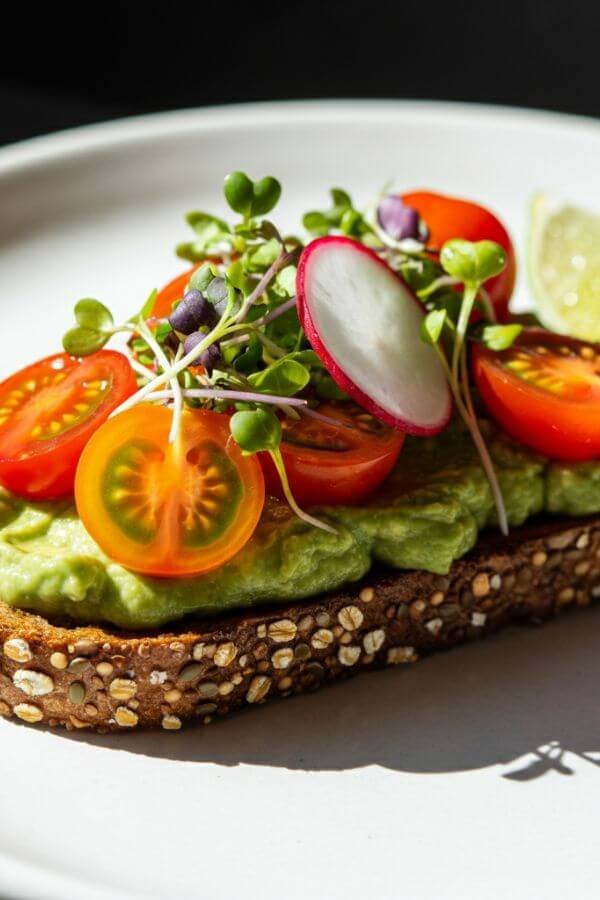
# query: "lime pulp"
{"type": "Point", "coordinates": [564, 265]}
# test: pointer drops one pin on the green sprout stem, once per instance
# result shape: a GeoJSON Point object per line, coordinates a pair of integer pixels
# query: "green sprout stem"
{"type": "Point", "coordinates": [464, 404]}
{"type": "Point", "coordinates": [441, 282]}
{"type": "Point", "coordinates": [487, 304]}
{"type": "Point", "coordinates": [287, 492]}
{"type": "Point", "coordinates": [466, 309]}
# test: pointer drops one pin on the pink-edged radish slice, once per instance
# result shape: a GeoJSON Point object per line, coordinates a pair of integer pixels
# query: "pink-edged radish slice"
{"type": "Point", "coordinates": [364, 322]}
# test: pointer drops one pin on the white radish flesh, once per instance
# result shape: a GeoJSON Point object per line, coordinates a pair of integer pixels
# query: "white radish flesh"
{"type": "Point", "coordinates": [364, 323]}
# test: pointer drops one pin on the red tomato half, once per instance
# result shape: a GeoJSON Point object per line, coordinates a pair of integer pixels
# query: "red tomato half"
{"type": "Point", "coordinates": [449, 217]}
{"type": "Point", "coordinates": [49, 411]}
{"type": "Point", "coordinates": [545, 391]}
{"type": "Point", "coordinates": [334, 463]}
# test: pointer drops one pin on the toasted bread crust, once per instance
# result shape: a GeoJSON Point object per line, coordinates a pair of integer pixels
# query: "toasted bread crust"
{"type": "Point", "coordinates": [103, 679]}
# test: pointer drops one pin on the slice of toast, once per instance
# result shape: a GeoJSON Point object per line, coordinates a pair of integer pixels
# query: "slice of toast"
{"type": "Point", "coordinates": [100, 678]}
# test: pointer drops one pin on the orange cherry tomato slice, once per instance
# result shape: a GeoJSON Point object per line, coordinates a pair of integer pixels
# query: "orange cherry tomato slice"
{"type": "Point", "coordinates": [334, 463]}
{"type": "Point", "coordinates": [49, 411]}
{"type": "Point", "coordinates": [450, 217]}
{"type": "Point", "coordinates": [166, 509]}
{"type": "Point", "coordinates": [545, 392]}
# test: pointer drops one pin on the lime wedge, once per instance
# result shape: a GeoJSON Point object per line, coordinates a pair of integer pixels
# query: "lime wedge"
{"type": "Point", "coordinates": [564, 268]}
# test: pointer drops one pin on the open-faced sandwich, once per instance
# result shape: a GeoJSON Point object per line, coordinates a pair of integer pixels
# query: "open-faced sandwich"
{"type": "Point", "coordinates": [305, 460]}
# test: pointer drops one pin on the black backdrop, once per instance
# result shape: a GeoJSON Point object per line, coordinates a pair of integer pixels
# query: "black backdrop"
{"type": "Point", "coordinates": [60, 69]}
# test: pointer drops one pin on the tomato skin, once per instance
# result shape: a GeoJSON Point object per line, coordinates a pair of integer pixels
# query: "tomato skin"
{"type": "Point", "coordinates": [451, 217]}
{"type": "Point", "coordinates": [321, 477]}
{"type": "Point", "coordinates": [45, 469]}
{"type": "Point", "coordinates": [558, 426]}
{"type": "Point", "coordinates": [168, 509]}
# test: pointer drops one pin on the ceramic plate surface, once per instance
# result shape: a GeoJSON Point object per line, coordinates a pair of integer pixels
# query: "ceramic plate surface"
{"type": "Point", "coordinates": [473, 774]}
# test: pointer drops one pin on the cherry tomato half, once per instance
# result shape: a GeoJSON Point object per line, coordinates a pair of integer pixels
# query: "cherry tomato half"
{"type": "Point", "coordinates": [49, 411]}
{"type": "Point", "coordinates": [449, 217]}
{"type": "Point", "coordinates": [545, 391]}
{"type": "Point", "coordinates": [334, 463]}
{"type": "Point", "coordinates": [168, 509]}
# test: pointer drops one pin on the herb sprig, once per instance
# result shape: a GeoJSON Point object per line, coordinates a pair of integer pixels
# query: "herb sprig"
{"type": "Point", "coordinates": [471, 264]}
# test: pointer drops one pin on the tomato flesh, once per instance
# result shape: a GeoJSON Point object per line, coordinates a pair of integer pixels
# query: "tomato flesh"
{"type": "Point", "coordinates": [450, 217]}
{"type": "Point", "coordinates": [545, 392]}
{"type": "Point", "coordinates": [166, 509]}
{"type": "Point", "coordinates": [48, 412]}
{"type": "Point", "coordinates": [334, 463]}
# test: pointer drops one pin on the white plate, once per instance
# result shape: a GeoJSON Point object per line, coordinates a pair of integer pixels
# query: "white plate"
{"type": "Point", "coordinates": [435, 780]}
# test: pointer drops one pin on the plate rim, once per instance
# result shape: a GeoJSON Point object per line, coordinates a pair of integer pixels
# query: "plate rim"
{"type": "Point", "coordinates": [130, 130]}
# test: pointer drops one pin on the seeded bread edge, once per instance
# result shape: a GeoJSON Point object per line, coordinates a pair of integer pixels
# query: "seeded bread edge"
{"type": "Point", "coordinates": [106, 680]}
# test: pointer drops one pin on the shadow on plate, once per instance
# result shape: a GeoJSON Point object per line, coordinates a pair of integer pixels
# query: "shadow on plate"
{"type": "Point", "coordinates": [525, 693]}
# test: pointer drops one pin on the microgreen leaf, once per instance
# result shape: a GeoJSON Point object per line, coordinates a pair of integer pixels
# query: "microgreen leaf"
{"type": "Point", "coordinates": [433, 325]}
{"type": "Point", "coordinates": [209, 228]}
{"type": "Point", "coordinates": [284, 377]}
{"type": "Point", "coordinates": [285, 330]}
{"type": "Point", "coordinates": [285, 282]}
{"type": "Point", "coordinates": [201, 278]}
{"type": "Point", "coordinates": [239, 193]}
{"type": "Point", "coordinates": [420, 273]}
{"type": "Point", "coordinates": [218, 290]}
{"type": "Point", "coordinates": [266, 194]}
{"type": "Point", "coordinates": [268, 231]}
{"type": "Point", "coordinates": [93, 315]}
{"type": "Point", "coordinates": [146, 310]}
{"type": "Point", "coordinates": [82, 341]}
{"type": "Point", "coordinates": [237, 276]}
{"type": "Point", "coordinates": [316, 223]}
{"type": "Point", "coordinates": [501, 337]}
{"type": "Point", "coordinates": [351, 222]}
{"type": "Point", "coordinates": [472, 263]}
{"type": "Point", "coordinates": [340, 197]}
{"type": "Point", "coordinates": [162, 330]}
{"type": "Point", "coordinates": [194, 251]}
{"type": "Point", "coordinates": [308, 358]}
{"type": "Point", "coordinates": [260, 258]}
{"type": "Point", "coordinates": [326, 387]}
{"type": "Point", "coordinates": [248, 361]}
{"type": "Point", "coordinates": [255, 430]}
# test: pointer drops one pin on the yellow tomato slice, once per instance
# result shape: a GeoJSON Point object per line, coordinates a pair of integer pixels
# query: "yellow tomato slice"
{"type": "Point", "coordinates": [168, 509]}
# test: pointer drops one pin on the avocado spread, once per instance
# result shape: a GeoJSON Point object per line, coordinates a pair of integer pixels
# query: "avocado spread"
{"type": "Point", "coordinates": [427, 514]}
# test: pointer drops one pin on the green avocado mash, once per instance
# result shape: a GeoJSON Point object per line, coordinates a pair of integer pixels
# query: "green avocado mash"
{"type": "Point", "coordinates": [428, 513]}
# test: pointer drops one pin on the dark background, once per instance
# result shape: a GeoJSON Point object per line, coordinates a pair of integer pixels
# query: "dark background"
{"type": "Point", "coordinates": [102, 61]}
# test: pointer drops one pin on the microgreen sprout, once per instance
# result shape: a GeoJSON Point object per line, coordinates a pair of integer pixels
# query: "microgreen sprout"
{"type": "Point", "coordinates": [260, 430]}
{"type": "Point", "coordinates": [95, 326]}
{"type": "Point", "coordinates": [251, 198]}
{"type": "Point", "coordinates": [501, 337]}
{"type": "Point", "coordinates": [472, 264]}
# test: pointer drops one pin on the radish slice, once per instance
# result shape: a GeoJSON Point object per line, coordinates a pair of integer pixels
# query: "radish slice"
{"type": "Point", "coordinates": [364, 322]}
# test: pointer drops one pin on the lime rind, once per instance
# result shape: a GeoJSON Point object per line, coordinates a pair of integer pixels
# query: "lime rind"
{"type": "Point", "coordinates": [564, 267]}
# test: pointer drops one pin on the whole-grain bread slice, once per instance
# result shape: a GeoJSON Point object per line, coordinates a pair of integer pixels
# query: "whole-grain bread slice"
{"type": "Point", "coordinates": [100, 678]}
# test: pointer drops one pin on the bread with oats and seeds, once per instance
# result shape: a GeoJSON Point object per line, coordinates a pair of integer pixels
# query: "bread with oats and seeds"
{"type": "Point", "coordinates": [58, 674]}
